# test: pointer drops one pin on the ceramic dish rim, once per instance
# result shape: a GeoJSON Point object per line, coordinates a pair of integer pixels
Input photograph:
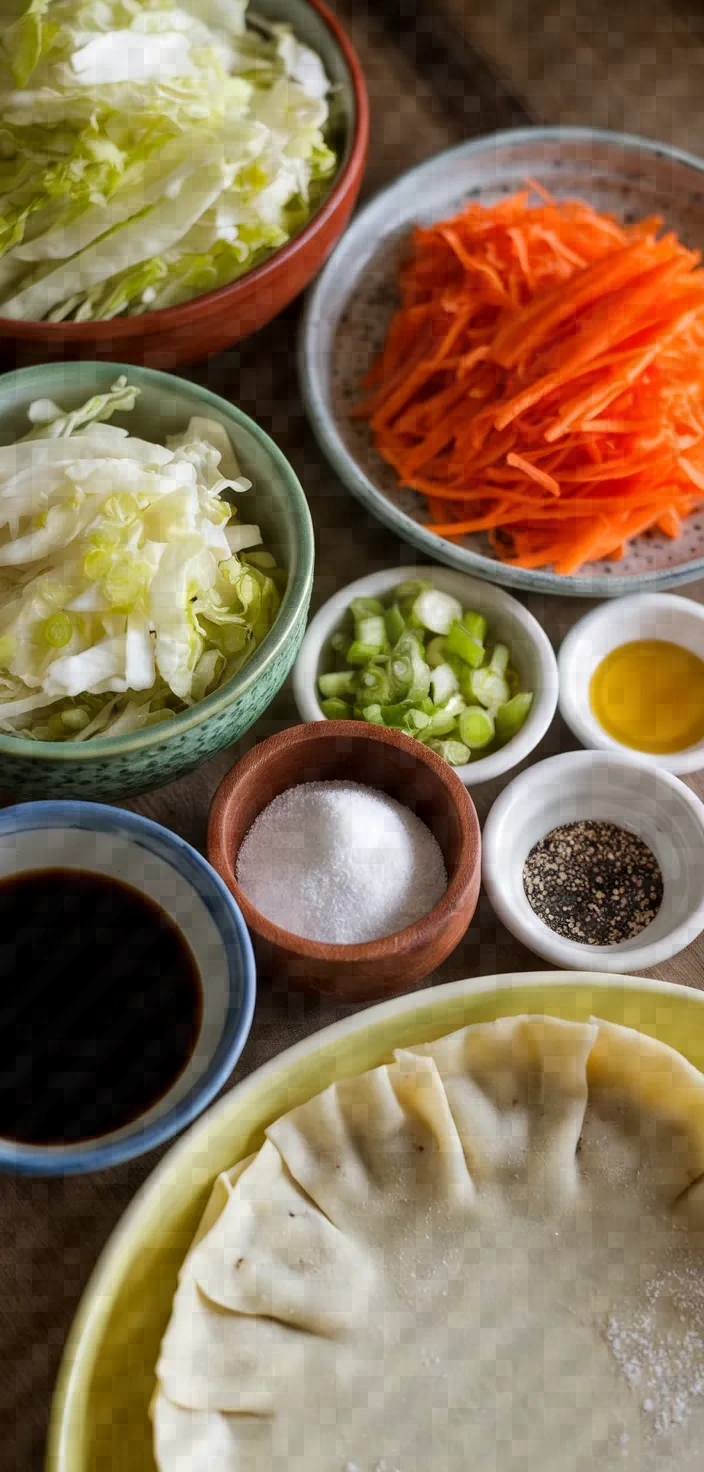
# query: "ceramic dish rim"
{"type": "Point", "coordinates": [399, 942]}
{"type": "Point", "coordinates": [297, 590]}
{"type": "Point", "coordinates": [484, 769]}
{"type": "Point", "coordinates": [99, 1153]}
{"type": "Point", "coordinates": [576, 709]}
{"type": "Point", "coordinates": [91, 1313]}
{"type": "Point", "coordinates": [536, 936]}
{"type": "Point", "coordinates": [126, 329]}
{"type": "Point", "coordinates": [324, 423]}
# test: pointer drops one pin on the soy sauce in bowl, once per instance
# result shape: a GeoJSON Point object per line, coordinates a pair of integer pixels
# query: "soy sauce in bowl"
{"type": "Point", "coordinates": [101, 1005]}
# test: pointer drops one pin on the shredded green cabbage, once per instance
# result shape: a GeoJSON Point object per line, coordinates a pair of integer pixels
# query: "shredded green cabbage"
{"type": "Point", "coordinates": [128, 589]}
{"type": "Point", "coordinates": [149, 151]}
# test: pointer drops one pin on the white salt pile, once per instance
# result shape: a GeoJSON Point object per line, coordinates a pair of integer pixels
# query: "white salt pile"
{"type": "Point", "coordinates": [340, 863]}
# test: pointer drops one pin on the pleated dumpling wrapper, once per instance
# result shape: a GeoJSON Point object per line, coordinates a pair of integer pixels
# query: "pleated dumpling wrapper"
{"type": "Point", "coordinates": [486, 1254]}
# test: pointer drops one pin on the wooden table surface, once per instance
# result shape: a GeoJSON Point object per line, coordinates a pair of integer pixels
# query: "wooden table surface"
{"type": "Point", "coordinates": [437, 71]}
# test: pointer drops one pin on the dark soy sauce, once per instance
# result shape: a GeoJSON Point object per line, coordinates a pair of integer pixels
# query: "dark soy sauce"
{"type": "Point", "coordinates": [100, 1005]}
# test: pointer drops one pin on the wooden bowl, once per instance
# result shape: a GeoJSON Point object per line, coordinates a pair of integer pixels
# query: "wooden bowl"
{"type": "Point", "coordinates": [396, 764]}
{"type": "Point", "coordinates": [217, 319]}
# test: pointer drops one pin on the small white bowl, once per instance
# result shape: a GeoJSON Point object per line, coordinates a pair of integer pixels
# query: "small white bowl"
{"type": "Point", "coordinates": [642, 616]}
{"type": "Point", "coordinates": [509, 623]}
{"type": "Point", "coordinates": [615, 789]}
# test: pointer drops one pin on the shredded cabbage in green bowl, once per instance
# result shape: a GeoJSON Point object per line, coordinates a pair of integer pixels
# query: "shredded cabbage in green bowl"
{"type": "Point", "coordinates": [128, 588]}
{"type": "Point", "coordinates": [149, 151]}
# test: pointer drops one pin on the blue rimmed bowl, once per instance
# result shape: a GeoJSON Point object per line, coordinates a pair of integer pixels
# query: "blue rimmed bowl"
{"type": "Point", "coordinates": [351, 305]}
{"type": "Point", "coordinates": [133, 850]}
{"type": "Point", "coordinates": [113, 767]}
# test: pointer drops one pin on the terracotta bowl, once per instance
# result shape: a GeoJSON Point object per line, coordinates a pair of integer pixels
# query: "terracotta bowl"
{"type": "Point", "coordinates": [217, 319]}
{"type": "Point", "coordinates": [407, 771]}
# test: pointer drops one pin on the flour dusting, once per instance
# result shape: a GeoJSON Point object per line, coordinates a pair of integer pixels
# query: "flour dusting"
{"type": "Point", "coordinates": [659, 1347]}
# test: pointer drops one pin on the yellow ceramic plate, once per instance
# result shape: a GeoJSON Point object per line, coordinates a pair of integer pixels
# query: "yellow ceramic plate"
{"type": "Point", "coordinates": [99, 1420]}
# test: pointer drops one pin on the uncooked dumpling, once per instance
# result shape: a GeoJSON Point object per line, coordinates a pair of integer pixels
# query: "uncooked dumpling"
{"type": "Point", "coordinates": [487, 1254]}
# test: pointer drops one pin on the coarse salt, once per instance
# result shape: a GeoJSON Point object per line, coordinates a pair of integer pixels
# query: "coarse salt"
{"type": "Point", "coordinates": [340, 863]}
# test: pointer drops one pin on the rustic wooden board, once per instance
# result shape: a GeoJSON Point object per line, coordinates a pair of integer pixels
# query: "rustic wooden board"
{"type": "Point", "coordinates": [637, 68]}
{"type": "Point", "coordinates": [437, 72]}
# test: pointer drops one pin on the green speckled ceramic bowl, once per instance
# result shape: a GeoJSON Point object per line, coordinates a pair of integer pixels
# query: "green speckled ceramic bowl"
{"type": "Point", "coordinates": [120, 766]}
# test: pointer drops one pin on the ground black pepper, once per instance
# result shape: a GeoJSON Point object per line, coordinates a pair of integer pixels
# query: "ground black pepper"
{"type": "Point", "coordinates": [593, 882]}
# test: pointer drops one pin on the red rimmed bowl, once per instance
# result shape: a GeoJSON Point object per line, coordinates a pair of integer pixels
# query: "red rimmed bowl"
{"type": "Point", "coordinates": [394, 763]}
{"type": "Point", "coordinates": [218, 319]}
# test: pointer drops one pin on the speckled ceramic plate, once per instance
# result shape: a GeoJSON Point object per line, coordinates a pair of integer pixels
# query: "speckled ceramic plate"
{"type": "Point", "coordinates": [351, 305]}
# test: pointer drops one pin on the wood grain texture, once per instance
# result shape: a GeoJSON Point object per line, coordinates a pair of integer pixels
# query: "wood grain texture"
{"type": "Point", "coordinates": [554, 60]}
{"type": "Point", "coordinates": [638, 68]}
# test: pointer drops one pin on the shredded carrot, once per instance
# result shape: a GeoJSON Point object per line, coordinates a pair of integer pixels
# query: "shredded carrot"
{"type": "Point", "coordinates": [534, 473]}
{"type": "Point", "coordinates": [543, 380]}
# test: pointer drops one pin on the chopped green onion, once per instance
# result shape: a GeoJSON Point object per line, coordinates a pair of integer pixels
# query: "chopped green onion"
{"type": "Point", "coordinates": [361, 654]}
{"type": "Point", "coordinates": [408, 592]}
{"type": "Point", "coordinates": [364, 607]}
{"type": "Point", "coordinates": [489, 688]}
{"type": "Point", "coordinates": [511, 715]}
{"type": "Point", "coordinates": [373, 684]}
{"type": "Point", "coordinates": [415, 722]}
{"type": "Point", "coordinates": [436, 611]}
{"type": "Point", "coordinates": [371, 630]}
{"type": "Point", "coordinates": [341, 643]}
{"type": "Point", "coordinates": [455, 705]}
{"type": "Point", "coordinates": [454, 752]}
{"type": "Point", "coordinates": [461, 643]}
{"type": "Point", "coordinates": [499, 660]}
{"type": "Point", "coordinates": [419, 635]}
{"type": "Point", "coordinates": [441, 723]}
{"type": "Point", "coordinates": [338, 682]}
{"type": "Point", "coordinates": [395, 624]}
{"type": "Point", "coordinates": [410, 719]}
{"type": "Point", "coordinates": [476, 625]}
{"type": "Point", "coordinates": [439, 683]}
{"type": "Point", "coordinates": [395, 714]}
{"type": "Point", "coordinates": [476, 727]}
{"type": "Point", "coordinates": [435, 651]}
{"type": "Point", "coordinates": [335, 709]}
{"type": "Point", "coordinates": [443, 683]}
{"type": "Point", "coordinates": [372, 713]}
{"type": "Point", "coordinates": [409, 673]}
{"type": "Point", "coordinates": [405, 596]}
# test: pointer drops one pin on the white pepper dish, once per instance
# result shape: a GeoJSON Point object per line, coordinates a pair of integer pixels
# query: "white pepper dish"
{"type": "Point", "coordinates": [509, 623]}
{"type": "Point", "coordinates": [597, 785]}
{"type": "Point", "coordinates": [641, 616]}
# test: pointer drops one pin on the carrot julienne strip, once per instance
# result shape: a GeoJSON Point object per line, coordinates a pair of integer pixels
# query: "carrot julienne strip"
{"type": "Point", "coordinates": [548, 481]}
{"type": "Point", "coordinates": [543, 380]}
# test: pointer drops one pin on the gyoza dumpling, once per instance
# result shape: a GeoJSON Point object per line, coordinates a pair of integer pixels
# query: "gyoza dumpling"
{"type": "Point", "coordinates": [422, 1268]}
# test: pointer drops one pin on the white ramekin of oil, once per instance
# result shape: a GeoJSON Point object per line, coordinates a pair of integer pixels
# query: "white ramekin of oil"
{"type": "Point", "coordinates": [632, 679]}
